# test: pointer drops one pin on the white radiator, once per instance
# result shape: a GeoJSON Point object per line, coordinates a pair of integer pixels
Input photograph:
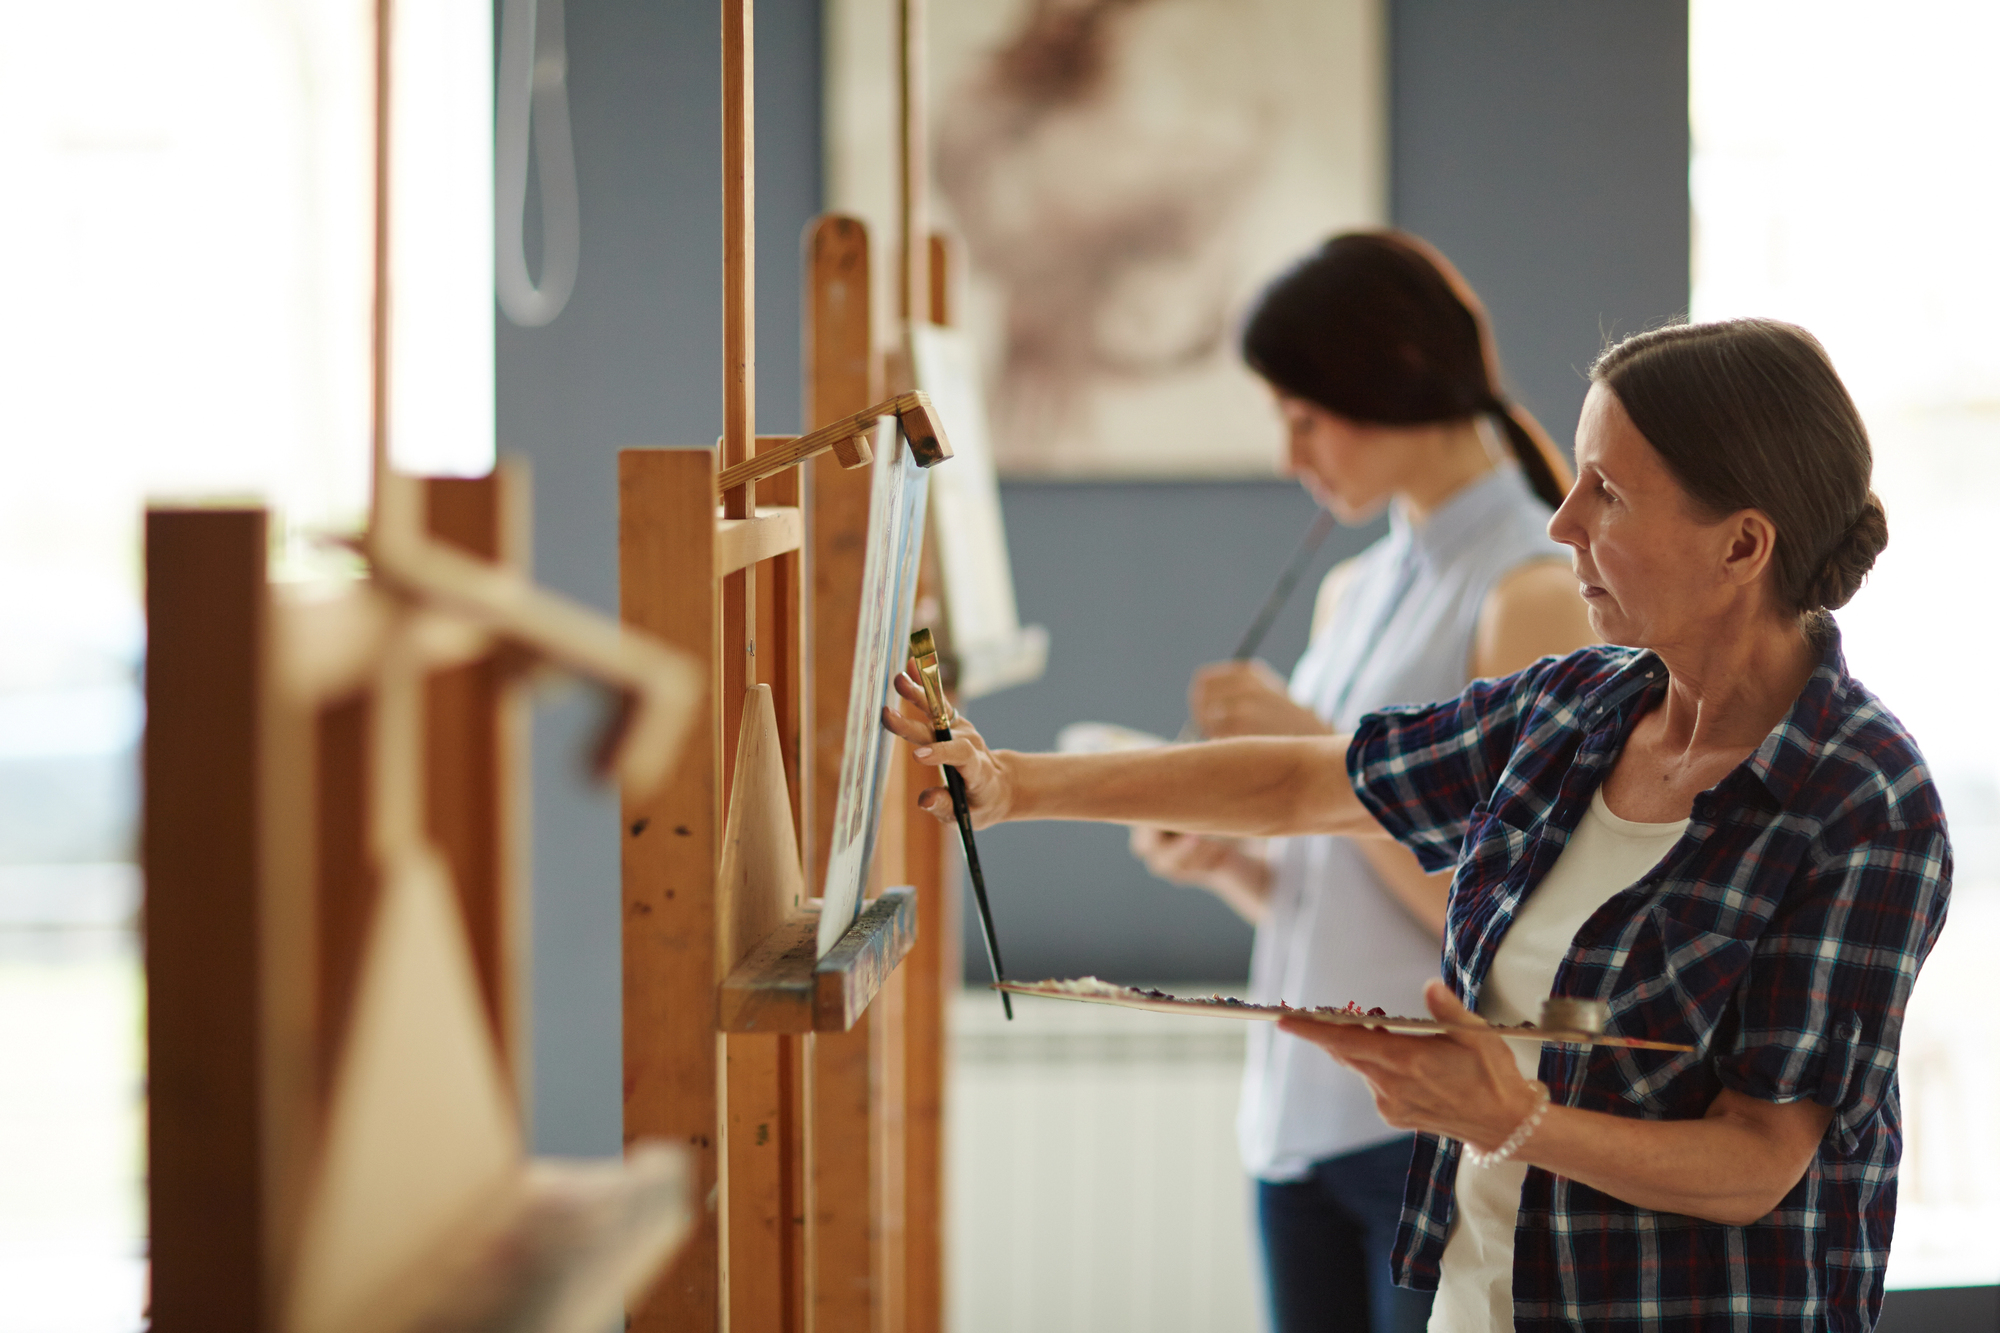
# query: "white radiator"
{"type": "Point", "coordinates": [1093, 1181]}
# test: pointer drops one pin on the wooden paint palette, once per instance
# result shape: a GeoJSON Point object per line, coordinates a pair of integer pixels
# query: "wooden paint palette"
{"type": "Point", "coordinates": [1090, 990]}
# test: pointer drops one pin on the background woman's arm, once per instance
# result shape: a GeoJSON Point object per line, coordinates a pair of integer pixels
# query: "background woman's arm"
{"type": "Point", "coordinates": [1534, 611]}
{"type": "Point", "coordinates": [1422, 895]}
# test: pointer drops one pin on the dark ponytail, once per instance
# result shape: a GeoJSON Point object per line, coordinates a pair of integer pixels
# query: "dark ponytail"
{"type": "Point", "coordinates": [1379, 327]}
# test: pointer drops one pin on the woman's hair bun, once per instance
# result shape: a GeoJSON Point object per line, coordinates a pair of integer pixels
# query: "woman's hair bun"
{"type": "Point", "coordinates": [1853, 555]}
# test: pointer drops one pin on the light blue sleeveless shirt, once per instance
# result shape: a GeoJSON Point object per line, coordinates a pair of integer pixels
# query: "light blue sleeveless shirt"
{"type": "Point", "coordinates": [1401, 633]}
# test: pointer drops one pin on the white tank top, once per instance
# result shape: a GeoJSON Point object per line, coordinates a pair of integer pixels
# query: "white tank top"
{"type": "Point", "coordinates": [1401, 633]}
{"type": "Point", "coordinates": [1604, 855]}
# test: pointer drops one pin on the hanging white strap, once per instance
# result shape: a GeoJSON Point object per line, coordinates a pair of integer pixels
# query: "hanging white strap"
{"type": "Point", "coordinates": [533, 91]}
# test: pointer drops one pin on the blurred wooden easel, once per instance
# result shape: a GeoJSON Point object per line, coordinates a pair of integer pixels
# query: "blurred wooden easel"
{"type": "Point", "coordinates": [333, 916]}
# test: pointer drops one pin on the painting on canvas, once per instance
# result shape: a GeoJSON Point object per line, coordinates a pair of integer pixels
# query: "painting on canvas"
{"type": "Point", "coordinates": [896, 507]}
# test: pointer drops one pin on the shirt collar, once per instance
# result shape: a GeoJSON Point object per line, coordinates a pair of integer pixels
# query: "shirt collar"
{"type": "Point", "coordinates": [1459, 522]}
{"type": "Point", "coordinates": [1787, 755]}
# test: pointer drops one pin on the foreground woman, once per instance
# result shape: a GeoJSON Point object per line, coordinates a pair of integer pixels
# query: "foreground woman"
{"type": "Point", "coordinates": [1713, 828]}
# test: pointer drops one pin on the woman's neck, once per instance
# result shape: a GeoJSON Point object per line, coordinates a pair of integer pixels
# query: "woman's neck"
{"type": "Point", "coordinates": [1441, 467]}
{"type": "Point", "coordinates": [1728, 688]}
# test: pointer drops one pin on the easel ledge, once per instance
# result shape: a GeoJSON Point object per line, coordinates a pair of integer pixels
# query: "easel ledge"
{"type": "Point", "coordinates": [781, 987]}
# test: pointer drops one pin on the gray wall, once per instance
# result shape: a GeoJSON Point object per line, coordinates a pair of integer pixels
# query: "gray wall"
{"type": "Point", "coordinates": [635, 359]}
{"type": "Point", "coordinates": [1542, 145]}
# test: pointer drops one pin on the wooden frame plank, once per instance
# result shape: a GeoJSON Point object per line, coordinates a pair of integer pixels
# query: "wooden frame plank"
{"type": "Point", "coordinates": [476, 740]}
{"type": "Point", "coordinates": [673, 1057]}
{"type": "Point", "coordinates": [772, 532]}
{"type": "Point", "coordinates": [206, 1134]}
{"type": "Point", "coordinates": [840, 380]}
{"type": "Point", "coordinates": [739, 247]}
{"type": "Point", "coordinates": [782, 629]}
{"type": "Point", "coordinates": [912, 161]}
{"type": "Point", "coordinates": [933, 974]}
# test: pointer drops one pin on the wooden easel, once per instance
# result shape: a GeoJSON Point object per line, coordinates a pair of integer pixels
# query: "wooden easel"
{"type": "Point", "coordinates": [810, 1093]}
{"type": "Point", "coordinates": [332, 925]}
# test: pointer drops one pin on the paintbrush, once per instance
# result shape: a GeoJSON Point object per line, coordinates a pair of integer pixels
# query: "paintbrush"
{"type": "Point", "coordinates": [1267, 615]}
{"type": "Point", "coordinates": [924, 649]}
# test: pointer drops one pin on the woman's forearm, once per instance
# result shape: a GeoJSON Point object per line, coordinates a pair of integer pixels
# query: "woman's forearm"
{"type": "Point", "coordinates": [1732, 1166]}
{"type": "Point", "coordinates": [1267, 786]}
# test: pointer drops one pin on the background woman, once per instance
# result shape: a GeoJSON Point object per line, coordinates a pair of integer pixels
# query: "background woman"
{"type": "Point", "coordinates": [1384, 373]}
{"type": "Point", "coordinates": [1713, 829]}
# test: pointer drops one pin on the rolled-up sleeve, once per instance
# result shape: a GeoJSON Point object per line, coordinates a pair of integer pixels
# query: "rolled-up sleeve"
{"type": "Point", "coordinates": [1821, 1005]}
{"type": "Point", "coordinates": [1422, 771]}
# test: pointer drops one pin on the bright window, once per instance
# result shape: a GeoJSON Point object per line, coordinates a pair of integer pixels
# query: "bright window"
{"type": "Point", "coordinates": [187, 236]}
{"type": "Point", "coordinates": [1844, 178]}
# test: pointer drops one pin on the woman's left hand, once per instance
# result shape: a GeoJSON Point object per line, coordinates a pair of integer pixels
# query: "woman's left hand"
{"type": "Point", "coordinates": [1247, 699]}
{"type": "Point", "coordinates": [1463, 1085]}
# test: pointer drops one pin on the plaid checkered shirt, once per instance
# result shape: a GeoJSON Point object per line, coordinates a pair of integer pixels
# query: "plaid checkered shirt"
{"type": "Point", "coordinates": [1780, 937]}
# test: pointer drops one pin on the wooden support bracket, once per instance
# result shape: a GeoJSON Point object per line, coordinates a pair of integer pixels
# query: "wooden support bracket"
{"type": "Point", "coordinates": [779, 987]}
{"type": "Point", "coordinates": [847, 438]}
{"type": "Point", "coordinates": [742, 542]}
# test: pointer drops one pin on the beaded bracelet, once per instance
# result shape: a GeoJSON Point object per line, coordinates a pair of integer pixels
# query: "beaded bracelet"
{"type": "Point", "coordinates": [1520, 1135]}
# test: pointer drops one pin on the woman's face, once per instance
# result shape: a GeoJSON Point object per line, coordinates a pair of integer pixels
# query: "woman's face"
{"type": "Point", "coordinates": [1349, 467]}
{"type": "Point", "coordinates": [1656, 571]}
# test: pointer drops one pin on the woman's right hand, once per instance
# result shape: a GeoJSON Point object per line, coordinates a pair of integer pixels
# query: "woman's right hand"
{"type": "Point", "coordinates": [1247, 699]}
{"type": "Point", "coordinates": [1192, 859]}
{"type": "Point", "coordinates": [988, 790]}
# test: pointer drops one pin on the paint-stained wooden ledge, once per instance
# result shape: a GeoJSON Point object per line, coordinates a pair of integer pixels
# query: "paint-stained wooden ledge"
{"type": "Point", "coordinates": [779, 987]}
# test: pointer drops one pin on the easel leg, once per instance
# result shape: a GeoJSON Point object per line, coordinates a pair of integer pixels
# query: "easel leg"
{"type": "Point", "coordinates": [754, 1185]}
{"type": "Point", "coordinates": [671, 842]}
{"type": "Point", "coordinates": [931, 973]}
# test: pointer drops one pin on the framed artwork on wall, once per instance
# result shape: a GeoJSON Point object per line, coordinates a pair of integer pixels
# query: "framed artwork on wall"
{"type": "Point", "coordinates": [1124, 176]}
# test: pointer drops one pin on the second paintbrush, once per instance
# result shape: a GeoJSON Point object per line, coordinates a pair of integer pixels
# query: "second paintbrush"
{"type": "Point", "coordinates": [924, 649]}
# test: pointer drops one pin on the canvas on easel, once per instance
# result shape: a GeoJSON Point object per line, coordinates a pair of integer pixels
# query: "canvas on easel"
{"type": "Point", "coordinates": [987, 646]}
{"type": "Point", "coordinates": [897, 500]}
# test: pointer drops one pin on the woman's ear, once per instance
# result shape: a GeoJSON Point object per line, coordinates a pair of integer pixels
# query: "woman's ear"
{"type": "Point", "coordinates": [1753, 544]}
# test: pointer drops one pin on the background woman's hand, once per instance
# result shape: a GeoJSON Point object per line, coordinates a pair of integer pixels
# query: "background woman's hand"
{"type": "Point", "coordinates": [987, 788]}
{"type": "Point", "coordinates": [1463, 1085]}
{"type": "Point", "coordinates": [1229, 868]}
{"type": "Point", "coordinates": [1247, 699]}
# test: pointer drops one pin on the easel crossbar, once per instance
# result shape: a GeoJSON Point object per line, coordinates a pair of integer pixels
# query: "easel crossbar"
{"type": "Point", "coordinates": [742, 542]}
{"type": "Point", "coordinates": [848, 438]}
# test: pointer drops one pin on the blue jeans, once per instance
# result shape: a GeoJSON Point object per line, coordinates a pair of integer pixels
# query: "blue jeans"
{"type": "Point", "coordinates": [1327, 1243]}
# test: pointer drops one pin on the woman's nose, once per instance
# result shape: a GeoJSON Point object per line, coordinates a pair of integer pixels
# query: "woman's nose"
{"type": "Point", "coordinates": [1563, 527]}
